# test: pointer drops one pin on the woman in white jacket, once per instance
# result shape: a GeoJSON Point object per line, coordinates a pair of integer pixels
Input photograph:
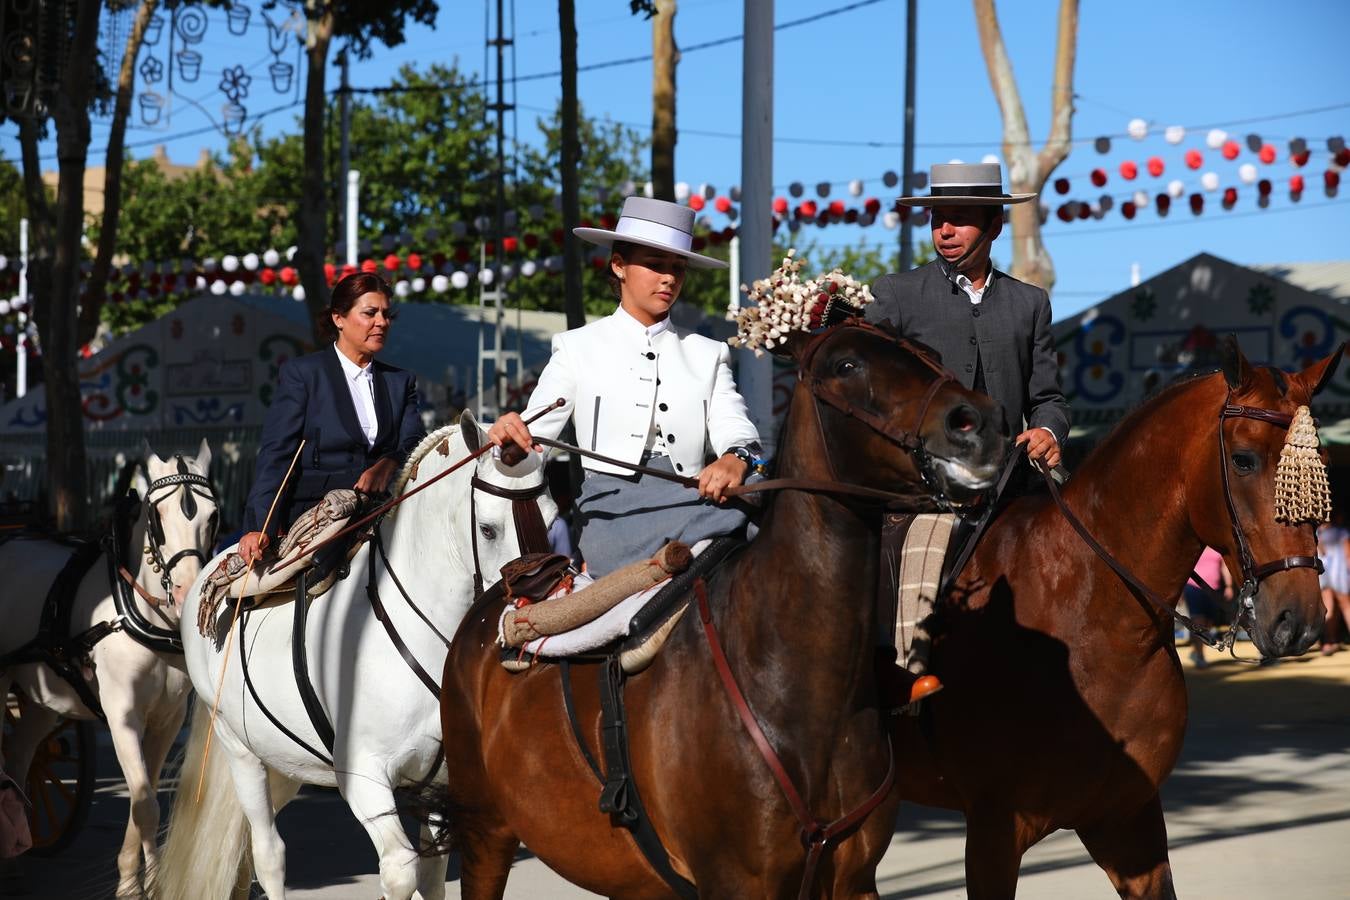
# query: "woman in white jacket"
{"type": "Point", "coordinates": [644, 392]}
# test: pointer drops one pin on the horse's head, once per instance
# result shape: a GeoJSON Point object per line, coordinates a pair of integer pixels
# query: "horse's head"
{"type": "Point", "coordinates": [510, 508]}
{"type": "Point", "coordinates": [890, 415]}
{"type": "Point", "coordinates": [180, 518]}
{"type": "Point", "coordinates": [1234, 503]}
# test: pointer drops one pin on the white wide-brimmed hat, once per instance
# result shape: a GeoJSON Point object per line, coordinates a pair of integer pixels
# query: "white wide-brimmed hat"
{"type": "Point", "coordinates": [654, 223]}
{"type": "Point", "coordinates": [966, 184]}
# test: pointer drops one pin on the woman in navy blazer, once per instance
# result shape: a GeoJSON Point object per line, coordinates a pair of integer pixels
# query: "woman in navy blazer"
{"type": "Point", "coordinates": [357, 415]}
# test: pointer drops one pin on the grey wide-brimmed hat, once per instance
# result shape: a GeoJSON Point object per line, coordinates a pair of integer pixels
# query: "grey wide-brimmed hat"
{"type": "Point", "coordinates": [654, 223]}
{"type": "Point", "coordinates": [966, 184]}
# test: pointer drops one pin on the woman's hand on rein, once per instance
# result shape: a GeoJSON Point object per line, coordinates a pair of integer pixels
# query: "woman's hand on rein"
{"type": "Point", "coordinates": [375, 480]}
{"type": "Point", "coordinates": [512, 428]}
{"type": "Point", "coordinates": [729, 471]}
{"type": "Point", "coordinates": [252, 545]}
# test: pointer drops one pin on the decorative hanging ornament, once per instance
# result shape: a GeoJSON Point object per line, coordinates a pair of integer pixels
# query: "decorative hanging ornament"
{"type": "Point", "coordinates": [891, 219]}
{"type": "Point", "coordinates": [855, 187]}
{"type": "Point", "coordinates": [890, 179]}
{"type": "Point", "coordinates": [270, 258]}
{"type": "Point", "coordinates": [1342, 158]}
{"type": "Point", "coordinates": [459, 279]}
{"type": "Point", "coordinates": [722, 205]}
{"type": "Point", "coordinates": [1296, 184]}
{"type": "Point", "coordinates": [440, 284]}
{"type": "Point", "coordinates": [1102, 144]}
{"type": "Point", "coordinates": [1065, 212]}
{"type": "Point", "coordinates": [1137, 129]}
{"type": "Point", "coordinates": [1174, 134]}
{"type": "Point", "coordinates": [1194, 159]}
{"type": "Point", "coordinates": [1197, 204]}
{"type": "Point", "coordinates": [1267, 153]}
{"type": "Point", "coordinates": [1332, 179]}
{"type": "Point", "coordinates": [1301, 490]}
{"type": "Point", "coordinates": [1061, 185]}
{"type": "Point", "coordinates": [1127, 209]}
{"type": "Point", "coordinates": [1099, 177]}
{"type": "Point", "coordinates": [1129, 170]}
{"type": "Point", "coordinates": [780, 206]}
{"type": "Point", "coordinates": [1210, 181]}
{"type": "Point", "coordinates": [681, 191]}
{"type": "Point", "coordinates": [1231, 149]}
{"type": "Point", "coordinates": [1300, 159]}
{"type": "Point", "coordinates": [1155, 166]}
{"type": "Point", "coordinates": [696, 202]}
{"type": "Point", "coordinates": [1140, 199]}
{"type": "Point", "coordinates": [1264, 187]}
{"type": "Point", "coordinates": [1175, 188]}
{"type": "Point", "coordinates": [1229, 197]}
{"type": "Point", "coordinates": [1247, 172]}
{"type": "Point", "coordinates": [250, 261]}
{"type": "Point", "coordinates": [1335, 144]}
{"type": "Point", "coordinates": [1254, 143]}
{"type": "Point", "coordinates": [823, 189]}
{"type": "Point", "coordinates": [1215, 139]}
{"type": "Point", "coordinates": [796, 189]}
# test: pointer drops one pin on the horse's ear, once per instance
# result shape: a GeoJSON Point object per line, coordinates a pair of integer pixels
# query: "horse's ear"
{"type": "Point", "coordinates": [150, 456]}
{"type": "Point", "coordinates": [204, 456]}
{"type": "Point", "coordinates": [1236, 370]}
{"type": "Point", "coordinates": [471, 431]}
{"type": "Point", "coordinates": [791, 345]}
{"type": "Point", "coordinates": [1316, 376]}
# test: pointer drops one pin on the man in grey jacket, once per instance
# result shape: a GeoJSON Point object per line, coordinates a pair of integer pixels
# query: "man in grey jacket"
{"type": "Point", "coordinates": [992, 331]}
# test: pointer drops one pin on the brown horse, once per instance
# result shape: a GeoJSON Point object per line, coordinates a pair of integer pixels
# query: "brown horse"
{"type": "Point", "coordinates": [1064, 704]}
{"type": "Point", "coordinates": [797, 623]}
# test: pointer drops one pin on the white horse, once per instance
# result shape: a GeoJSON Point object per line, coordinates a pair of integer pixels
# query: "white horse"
{"type": "Point", "coordinates": [135, 670]}
{"type": "Point", "coordinates": [386, 729]}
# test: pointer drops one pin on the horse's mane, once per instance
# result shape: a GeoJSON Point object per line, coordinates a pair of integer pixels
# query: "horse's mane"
{"type": "Point", "coordinates": [445, 432]}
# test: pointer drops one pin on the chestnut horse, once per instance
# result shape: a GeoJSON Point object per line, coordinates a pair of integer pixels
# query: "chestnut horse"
{"type": "Point", "coordinates": [1064, 704]}
{"type": "Point", "coordinates": [798, 624]}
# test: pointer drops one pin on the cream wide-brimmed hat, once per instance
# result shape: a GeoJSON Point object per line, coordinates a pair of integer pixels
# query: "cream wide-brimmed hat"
{"type": "Point", "coordinates": [654, 223]}
{"type": "Point", "coordinates": [966, 184]}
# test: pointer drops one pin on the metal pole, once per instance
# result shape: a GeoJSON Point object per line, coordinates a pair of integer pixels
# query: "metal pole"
{"type": "Point", "coordinates": [21, 345]}
{"type": "Point", "coordinates": [345, 154]}
{"type": "Point", "coordinates": [353, 204]}
{"type": "Point", "coordinates": [499, 223]}
{"type": "Point", "coordinates": [756, 238]}
{"type": "Point", "coordinates": [734, 282]}
{"type": "Point", "coordinates": [907, 227]}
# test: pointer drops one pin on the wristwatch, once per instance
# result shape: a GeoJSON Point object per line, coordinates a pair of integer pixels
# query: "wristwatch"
{"type": "Point", "coordinates": [744, 455]}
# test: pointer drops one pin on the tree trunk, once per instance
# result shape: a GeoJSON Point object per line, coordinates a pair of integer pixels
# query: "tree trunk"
{"type": "Point", "coordinates": [665, 57]}
{"type": "Point", "coordinates": [312, 219]}
{"type": "Point", "coordinates": [112, 178]}
{"type": "Point", "coordinates": [56, 314]}
{"type": "Point", "coordinates": [573, 302]}
{"type": "Point", "coordinates": [1027, 169]}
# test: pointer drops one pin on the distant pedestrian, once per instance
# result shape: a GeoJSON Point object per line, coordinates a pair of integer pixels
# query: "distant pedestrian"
{"type": "Point", "coordinates": [1204, 612]}
{"type": "Point", "coordinates": [1333, 547]}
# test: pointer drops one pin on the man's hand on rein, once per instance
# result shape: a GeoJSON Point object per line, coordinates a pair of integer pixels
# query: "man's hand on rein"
{"type": "Point", "coordinates": [727, 472]}
{"type": "Point", "coordinates": [1041, 444]}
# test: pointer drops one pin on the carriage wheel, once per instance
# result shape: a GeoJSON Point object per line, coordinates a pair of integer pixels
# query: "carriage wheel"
{"type": "Point", "coordinates": [60, 782]}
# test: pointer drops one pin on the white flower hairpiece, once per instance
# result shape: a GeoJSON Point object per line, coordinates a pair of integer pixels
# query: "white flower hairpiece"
{"type": "Point", "coordinates": [784, 303]}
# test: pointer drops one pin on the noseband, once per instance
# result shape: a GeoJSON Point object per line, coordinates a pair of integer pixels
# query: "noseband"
{"type": "Point", "coordinates": [154, 548]}
{"type": "Point", "coordinates": [909, 439]}
{"type": "Point", "coordinates": [531, 533]}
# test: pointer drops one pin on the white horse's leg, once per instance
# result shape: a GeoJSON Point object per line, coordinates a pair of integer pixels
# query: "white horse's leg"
{"type": "Point", "coordinates": [128, 733]}
{"type": "Point", "coordinates": [159, 738]}
{"type": "Point", "coordinates": [368, 794]}
{"type": "Point", "coordinates": [431, 869]}
{"type": "Point", "coordinates": [255, 798]}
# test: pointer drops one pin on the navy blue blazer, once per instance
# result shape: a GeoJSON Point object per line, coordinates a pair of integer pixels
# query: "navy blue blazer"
{"type": "Point", "coordinates": [312, 401]}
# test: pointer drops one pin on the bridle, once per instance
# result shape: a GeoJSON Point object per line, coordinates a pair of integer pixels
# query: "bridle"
{"type": "Point", "coordinates": [909, 439]}
{"type": "Point", "coordinates": [194, 486]}
{"type": "Point", "coordinates": [531, 533]}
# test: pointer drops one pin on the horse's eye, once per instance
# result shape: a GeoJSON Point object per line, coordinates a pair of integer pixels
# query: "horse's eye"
{"type": "Point", "coordinates": [846, 367]}
{"type": "Point", "coordinates": [1246, 462]}
{"type": "Point", "coordinates": [488, 532]}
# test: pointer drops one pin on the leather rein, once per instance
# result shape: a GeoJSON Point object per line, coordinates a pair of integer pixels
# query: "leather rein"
{"type": "Point", "coordinates": [1252, 573]}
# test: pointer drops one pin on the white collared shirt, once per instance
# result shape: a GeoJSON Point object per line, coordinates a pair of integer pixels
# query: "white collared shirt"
{"type": "Point", "coordinates": [968, 286]}
{"type": "Point", "coordinates": [656, 443]}
{"type": "Point", "coordinates": [361, 383]}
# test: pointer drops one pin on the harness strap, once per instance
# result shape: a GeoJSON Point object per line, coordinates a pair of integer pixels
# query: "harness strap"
{"type": "Point", "coordinates": [313, 708]}
{"type": "Point", "coordinates": [138, 627]}
{"type": "Point", "coordinates": [816, 835]}
{"type": "Point", "coordinates": [379, 545]}
{"type": "Point", "coordinates": [262, 707]}
{"type": "Point", "coordinates": [373, 592]}
{"type": "Point", "coordinates": [565, 670]}
{"type": "Point", "coordinates": [970, 541]}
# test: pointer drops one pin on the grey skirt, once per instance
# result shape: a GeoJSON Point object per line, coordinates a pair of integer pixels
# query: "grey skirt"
{"type": "Point", "coordinates": [627, 518]}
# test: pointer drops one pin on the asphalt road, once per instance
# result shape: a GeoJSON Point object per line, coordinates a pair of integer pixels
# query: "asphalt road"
{"type": "Point", "coordinates": [1258, 808]}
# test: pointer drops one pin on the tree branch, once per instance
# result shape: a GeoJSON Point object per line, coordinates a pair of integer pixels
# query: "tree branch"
{"type": "Point", "coordinates": [1016, 139]}
{"type": "Point", "coordinates": [1058, 143]}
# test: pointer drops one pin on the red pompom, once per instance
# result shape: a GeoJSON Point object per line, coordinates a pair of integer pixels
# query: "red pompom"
{"type": "Point", "coordinates": [780, 205]}
{"type": "Point", "coordinates": [872, 206]}
{"type": "Point", "coordinates": [1061, 185]}
{"type": "Point", "coordinates": [1267, 153]}
{"type": "Point", "coordinates": [461, 254]}
{"type": "Point", "coordinates": [349, 270]}
{"type": "Point", "coordinates": [1331, 178]}
{"type": "Point", "coordinates": [1231, 149]}
{"type": "Point", "coordinates": [1099, 177]}
{"type": "Point", "coordinates": [851, 216]}
{"type": "Point", "coordinates": [329, 271]}
{"type": "Point", "coordinates": [510, 244]}
{"type": "Point", "coordinates": [414, 261]}
{"type": "Point", "coordinates": [391, 262]}
{"type": "Point", "coordinates": [1164, 203]}
{"type": "Point", "coordinates": [556, 235]}
{"type": "Point", "coordinates": [837, 208]}
{"type": "Point", "coordinates": [1296, 184]}
{"type": "Point", "coordinates": [1084, 211]}
{"type": "Point", "coordinates": [1155, 166]}
{"type": "Point", "coordinates": [1127, 209]}
{"type": "Point", "coordinates": [290, 277]}
{"type": "Point", "coordinates": [1263, 187]}
{"type": "Point", "coordinates": [699, 242]}
{"type": "Point", "coordinates": [1229, 197]}
{"type": "Point", "coordinates": [1064, 213]}
{"type": "Point", "coordinates": [369, 265]}
{"type": "Point", "coordinates": [808, 209]}
{"type": "Point", "coordinates": [1342, 157]}
{"type": "Point", "coordinates": [267, 277]}
{"type": "Point", "coordinates": [531, 241]}
{"type": "Point", "coordinates": [438, 259]}
{"type": "Point", "coordinates": [1197, 203]}
{"type": "Point", "coordinates": [1195, 159]}
{"type": "Point", "coordinates": [1128, 170]}
{"type": "Point", "coordinates": [722, 204]}
{"type": "Point", "coordinates": [696, 202]}
{"type": "Point", "coordinates": [1301, 159]}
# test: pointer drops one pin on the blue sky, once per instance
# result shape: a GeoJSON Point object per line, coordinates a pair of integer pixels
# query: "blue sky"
{"type": "Point", "coordinates": [1246, 67]}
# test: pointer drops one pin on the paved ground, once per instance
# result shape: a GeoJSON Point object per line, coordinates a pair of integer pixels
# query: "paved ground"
{"type": "Point", "coordinates": [1258, 808]}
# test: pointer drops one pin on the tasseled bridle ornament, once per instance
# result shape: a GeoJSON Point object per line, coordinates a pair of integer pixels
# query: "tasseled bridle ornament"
{"type": "Point", "coordinates": [1301, 490]}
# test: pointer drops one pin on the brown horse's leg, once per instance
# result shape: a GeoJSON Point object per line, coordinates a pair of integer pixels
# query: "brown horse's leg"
{"type": "Point", "coordinates": [1133, 853]}
{"type": "Point", "coordinates": [487, 850]}
{"type": "Point", "coordinates": [993, 854]}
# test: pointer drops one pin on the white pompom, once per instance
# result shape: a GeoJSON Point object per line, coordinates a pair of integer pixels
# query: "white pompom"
{"type": "Point", "coordinates": [419, 284]}
{"type": "Point", "coordinates": [1175, 134]}
{"type": "Point", "coordinates": [237, 288]}
{"type": "Point", "coordinates": [508, 272]}
{"type": "Point", "coordinates": [1141, 199]}
{"type": "Point", "coordinates": [681, 191]}
{"type": "Point", "coordinates": [4, 262]}
{"type": "Point", "coordinates": [1137, 129]}
{"type": "Point", "coordinates": [855, 187]}
{"type": "Point", "coordinates": [1210, 181]}
{"type": "Point", "coordinates": [230, 263]}
{"type": "Point", "coordinates": [648, 191]}
{"type": "Point", "coordinates": [291, 251]}
{"type": "Point", "coordinates": [890, 179]}
{"type": "Point", "coordinates": [250, 261]}
{"type": "Point", "coordinates": [486, 275]}
{"type": "Point", "coordinates": [298, 293]}
{"type": "Point", "coordinates": [401, 288]}
{"type": "Point", "coordinates": [271, 257]}
{"type": "Point", "coordinates": [1214, 140]}
{"type": "Point", "coordinates": [4, 307]}
{"type": "Point", "coordinates": [200, 283]}
{"type": "Point", "coordinates": [440, 284]}
{"type": "Point", "coordinates": [891, 219]}
{"type": "Point", "coordinates": [459, 280]}
{"type": "Point", "coordinates": [1175, 188]}
{"type": "Point", "coordinates": [528, 268]}
{"type": "Point", "coordinates": [628, 188]}
{"type": "Point", "coordinates": [1247, 172]}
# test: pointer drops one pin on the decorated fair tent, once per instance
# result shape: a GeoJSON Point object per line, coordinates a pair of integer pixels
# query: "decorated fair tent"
{"type": "Point", "coordinates": [1129, 346]}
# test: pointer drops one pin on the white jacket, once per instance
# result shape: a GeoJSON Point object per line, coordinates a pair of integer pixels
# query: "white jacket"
{"type": "Point", "coordinates": [614, 376]}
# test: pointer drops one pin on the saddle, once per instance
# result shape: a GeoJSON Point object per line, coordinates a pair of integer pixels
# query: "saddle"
{"type": "Point", "coordinates": [274, 578]}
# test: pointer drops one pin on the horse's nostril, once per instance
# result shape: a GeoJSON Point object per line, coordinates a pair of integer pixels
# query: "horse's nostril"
{"type": "Point", "coordinates": [963, 419]}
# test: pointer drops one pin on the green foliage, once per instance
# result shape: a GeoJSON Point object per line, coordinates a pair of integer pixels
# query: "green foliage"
{"type": "Point", "coordinates": [13, 207]}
